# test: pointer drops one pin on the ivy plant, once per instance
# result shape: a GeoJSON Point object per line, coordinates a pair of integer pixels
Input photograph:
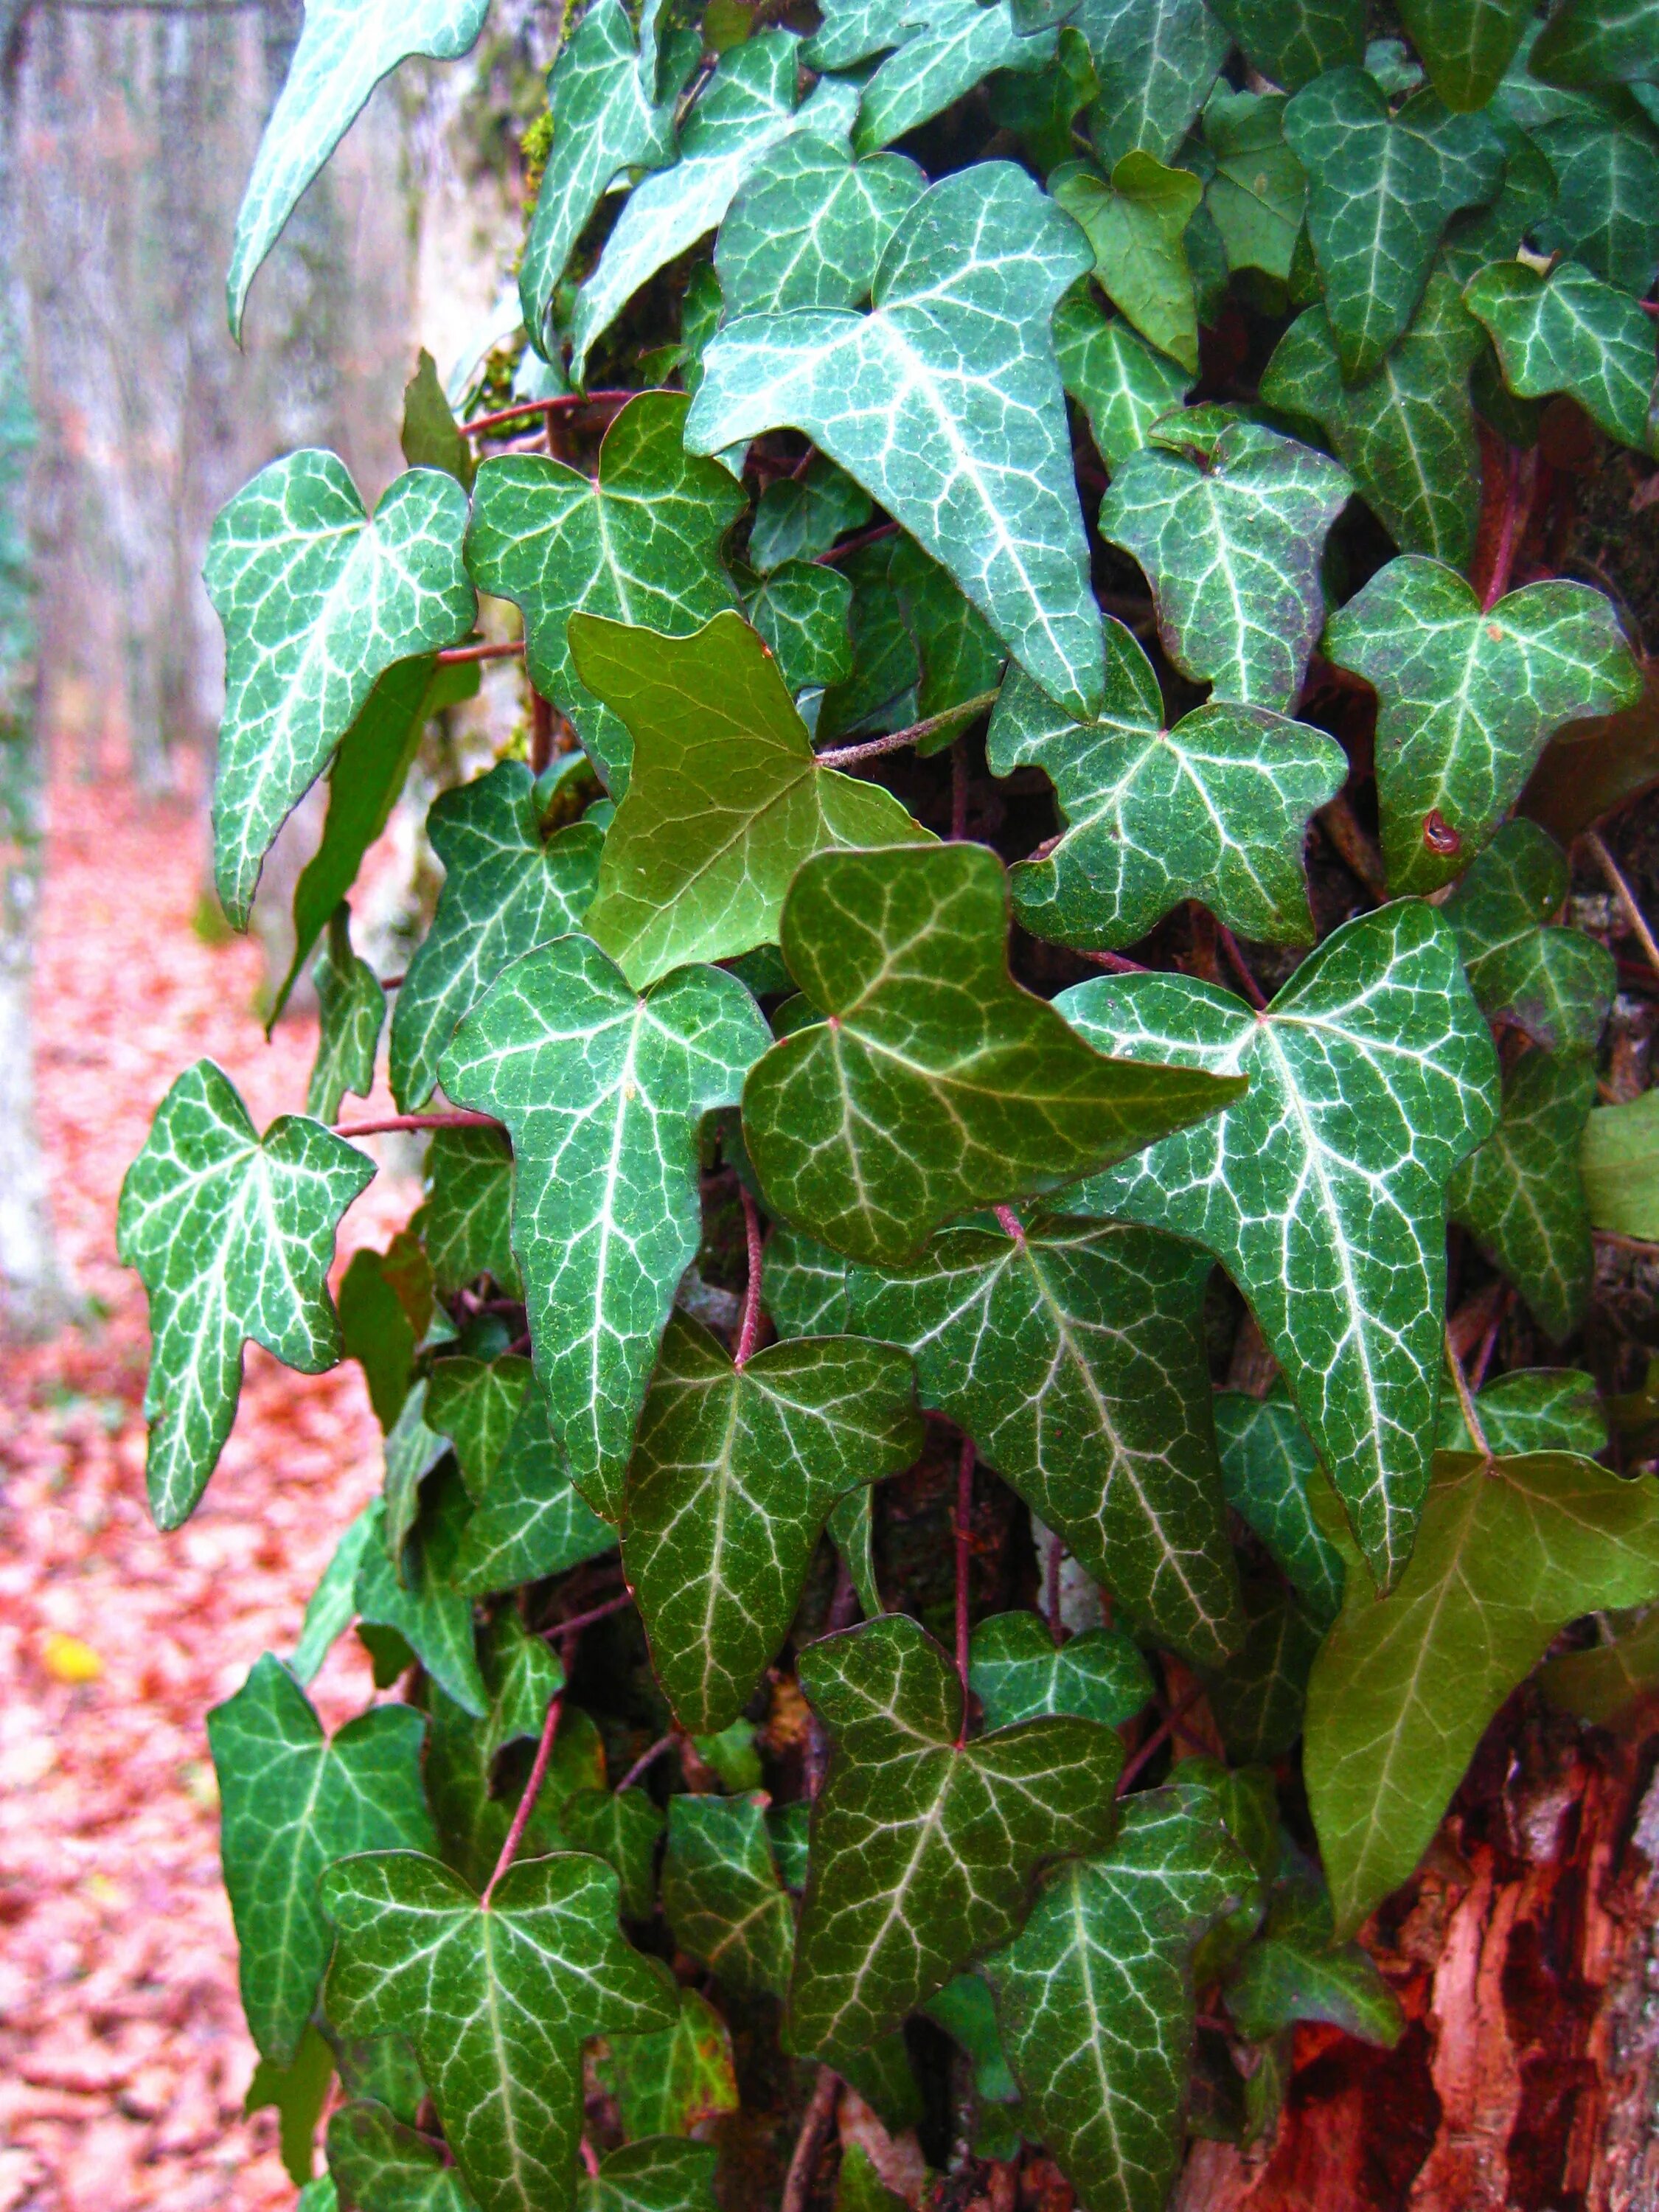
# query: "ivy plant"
{"type": "Point", "coordinates": [982, 1402]}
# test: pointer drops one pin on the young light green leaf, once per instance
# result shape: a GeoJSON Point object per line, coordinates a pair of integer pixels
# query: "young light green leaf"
{"type": "Point", "coordinates": [721, 1890]}
{"type": "Point", "coordinates": [937, 1084]}
{"type": "Point", "coordinates": [345, 48]}
{"type": "Point", "coordinates": [417, 1597]}
{"type": "Point", "coordinates": [1589, 42]}
{"type": "Point", "coordinates": [638, 542]}
{"type": "Point", "coordinates": [1095, 1998]}
{"type": "Point", "coordinates": [384, 2165]}
{"type": "Point", "coordinates": [496, 1999]}
{"type": "Point", "coordinates": [1072, 1355]}
{"type": "Point", "coordinates": [507, 887]}
{"type": "Point", "coordinates": [798, 518]}
{"type": "Point", "coordinates": [603, 1091]}
{"type": "Point", "coordinates": [1230, 530]}
{"type": "Point", "coordinates": [232, 1234]}
{"type": "Point", "coordinates": [725, 801]}
{"type": "Point", "coordinates": [1555, 984]}
{"type": "Point", "coordinates": [298, 2093]}
{"type": "Point", "coordinates": [746, 108]}
{"type": "Point", "coordinates": [924, 1847]}
{"type": "Point", "coordinates": [1122, 385]}
{"type": "Point", "coordinates": [1606, 211]}
{"type": "Point", "coordinates": [1509, 1550]}
{"type": "Point", "coordinates": [1018, 1671]}
{"type": "Point", "coordinates": [533, 1521]}
{"type": "Point", "coordinates": [1269, 1468]}
{"type": "Point", "coordinates": [430, 436]}
{"type": "Point", "coordinates": [673, 2079]}
{"type": "Point", "coordinates": [1155, 65]}
{"type": "Point", "coordinates": [810, 225]}
{"type": "Point", "coordinates": [1216, 808]}
{"type": "Point", "coordinates": [800, 613]}
{"type": "Point", "coordinates": [900, 398]}
{"type": "Point", "coordinates": [1258, 196]}
{"type": "Point", "coordinates": [1137, 226]}
{"type": "Point", "coordinates": [1406, 433]}
{"type": "Point", "coordinates": [1295, 1971]}
{"type": "Point", "coordinates": [660, 2173]}
{"type": "Point", "coordinates": [466, 1225]}
{"type": "Point", "coordinates": [1532, 1409]}
{"type": "Point", "coordinates": [318, 601]}
{"type": "Point", "coordinates": [1570, 332]}
{"type": "Point", "coordinates": [351, 1007]}
{"type": "Point", "coordinates": [1468, 698]}
{"type": "Point", "coordinates": [1521, 1196]}
{"type": "Point", "coordinates": [732, 1477]}
{"type": "Point", "coordinates": [1619, 1162]}
{"type": "Point", "coordinates": [953, 45]}
{"type": "Point", "coordinates": [1291, 42]}
{"type": "Point", "coordinates": [476, 1403]}
{"type": "Point", "coordinates": [1382, 188]}
{"type": "Point", "coordinates": [1467, 45]}
{"type": "Point", "coordinates": [293, 1801]}
{"type": "Point", "coordinates": [1322, 1192]}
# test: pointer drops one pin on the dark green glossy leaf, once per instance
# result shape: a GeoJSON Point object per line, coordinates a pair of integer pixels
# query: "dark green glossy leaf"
{"type": "Point", "coordinates": [721, 1891]}
{"type": "Point", "coordinates": [383, 2165]}
{"type": "Point", "coordinates": [810, 225]}
{"type": "Point", "coordinates": [466, 1223]}
{"type": "Point", "coordinates": [1018, 1671]}
{"type": "Point", "coordinates": [1555, 984]}
{"type": "Point", "coordinates": [532, 1521]}
{"type": "Point", "coordinates": [1292, 40]}
{"type": "Point", "coordinates": [673, 2079]}
{"type": "Point", "coordinates": [351, 1007]}
{"type": "Point", "coordinates": [1269, 1466]}
{"type": "Point", "coordinates": [1521, 1196]}
{"type": "Point", "coordinates": [475, 1403]}
{"type": "Point", "coordinates": [1570, 332]}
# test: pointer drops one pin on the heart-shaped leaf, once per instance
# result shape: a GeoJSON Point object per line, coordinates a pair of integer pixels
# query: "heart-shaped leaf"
{"type": "Point", "coordinates": [1570, 332]}
{"type": "Point", "coordinates": [1154, 65]}
{"type": "Point", "coordinates": [1467, 45]}
{"type": "Point", "coordinates": [1606, 210]}
{"type": "Point", "coordinates": [802, 611]}
{"type": "Point", "coordinates": [1120, 382]}
{"type": "Point", "coordinates": [660, 2173]}
{"type": "Point", "coordinates": [1018, 1671]}
{"type": "Point", "coordinates": [1258, 196]}
{"type": "Point", "coordinates": [1292, 40]}
{"type": "Point", "coordinates": [810, 226]}
{"type": "Point", "coordinates": [1137, 227]}
{"type": "Point", "coordinates": [1555, 984]}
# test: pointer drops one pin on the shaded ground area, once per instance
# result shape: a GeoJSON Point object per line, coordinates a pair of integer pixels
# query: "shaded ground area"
{"type": "Point", "coordinates": [124, 2058]}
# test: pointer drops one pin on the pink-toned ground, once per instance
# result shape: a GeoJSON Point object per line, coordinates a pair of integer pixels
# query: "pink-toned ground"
{"type": "Point", "coordinates": [124, 2057]}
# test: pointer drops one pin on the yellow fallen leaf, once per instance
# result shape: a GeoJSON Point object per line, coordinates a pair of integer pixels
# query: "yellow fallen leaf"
{"type": "Point", "coordinates": [66, 1659]}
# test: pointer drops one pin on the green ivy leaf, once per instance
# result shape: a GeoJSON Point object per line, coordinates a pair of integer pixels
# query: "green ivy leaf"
{"type": "Point", "coordinates": [413, 1451]}
{"type": "Point", "coordinates": [232, 1234]}
{"type": "Point", "coordinates": [1217, 808]}
{"type": "Point", "coordinates": [732, 1477]}
{"type": "Point", "coordinates": [1094, 2000]}
{"type": "Point", "coordinates": [1467, 45]}
{"type": "Point", "coordinates": [466, 1225]}
{"type": "Point", "coordinates": [1555, 984]}
{"type": "Point", "coordinates": [746, 108]}
{"type": "Point", "coordinates": [602, 1090]}
{"type": "Point", "coordinates": [475, 1404]}
{"type": "Point", "coordinates": [1155, 65]}
{"type": "Point", "coordinates": [1258, 1699]}
{"type": "Point", "coordinates": [623, 1828]}
{"type": "Point", "coordinates": [1073, 1356]}
{"type": "Point", "coordinates": [496, 1999]}
{"type": "Point", "coordinates": [384, 2165]}
{"type": "Point", "coordinates": [294, 1801]}
{"type": "Point", "coordinates": [1291, 42]}
{"type": "Point", "coordinates": [1406, 433]}
{"type": "Point", "coordinates": [1589, 42]}
{"type": "Point", "coordinates": [345, 50]}
{"type": "Point", "coordinates": [924, 1847]}
{"type": "Point", "coordinates": [937, 1084]}
{"type": "Point", "coordinates": [639, 543]}
{"type": "Point", "coordinates": [805, 1287]}
{"type": "Point", "coordinates": [726, 1904]}
{"type": "Point", "coordinates": [1620, 1166]}
{"type": "Point", "coordinates": [318, 601]}
{"type": "Point", "coordinates": [1120, 382]}
{"type": "Point", "coordinates": [532, 1521]}
{"type": "Point", "coordinates": [1509, 1550]}
{"type": "Point", "coordinates": [1521, 1196]}
{"type": "Point", "coordinates": [674, 2079]}
{"type": "Point", "coordinates": [959, 654]}
{"type": "Point", "coordinates": [330, 1606]}
{"type": "Point", "coordinates": [430, 436]}
{"type": "Point", "coordinates": [1533, 1409]}
{"type": "Point", "coordinates": [507, 887]}
{"type": "Point", "coordinates": [1018, 1671]}
{"type": "Point", "coordinates": [462, 1786]}
{"type": "Point", "coordinates": [1497, 231]}
{"type": "Point", "coordinates": [298, 2093]}
{"type": "Point", "coordinates": [810, 225]}
{"type": "Point", "coordinates": [725, 801]}
{"type": "Point", "coordinates": [952, 46]}
{"type": "Point", "coordinates": [1606, 212]}
{"type": "Point", "coordinates": [658, 2174]}
{"type": "Point", "coordinates": [963, 299]}
{"type": "Point", "coordinates": [1570, 332]}
{"type": "Point", "coordinates": [799, 518]}
{"type": "Point", "coordinates": [1603, 1684]}
{"type": "Point", "coordinates": [351, 1007]}
{"type": "Point", "coordinates": [1468, 698]}
{"type": "Point", "coordinates": [1269, 1467]}
{"type": "Point", "coordinates": [418, 1597]}
{"type": "Point", "coordinates": [1136, 225]}
{"type": "Point", "coordinates": [1382, 188]}
{"type": "Point", "coordinates": [1258, 195]}
{"type": "Point", "coordinates": [800, 613]}
{"type": "Point", "coordinates": [1322, 1192]}
{"type": "Point", "coordinates": [1229, 530]}
{"type": "Point", "coordinates": [380, 1323]}
{"type": "Point", "coordinates": [524, 1678]}
{"type": "Point", "coordinates": [1295, 1971]}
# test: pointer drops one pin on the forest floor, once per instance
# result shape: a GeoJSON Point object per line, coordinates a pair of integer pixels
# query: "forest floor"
{"type": "Point", "coordinates": [124, 2057]}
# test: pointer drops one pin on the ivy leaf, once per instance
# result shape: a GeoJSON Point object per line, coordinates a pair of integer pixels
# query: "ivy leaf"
{"type": "Point", "coordinates": [1269, 1467]}
{"type": "Point", "coordinates": [1382, 188]}
{"type": "Point", "coordinates": [330, 1606]}
{"type": "Point", "coordinates": [318, 601]}
{"type": "Point", "coordinates": [1509, 1550]}
{"type": "Point", "coordinates": [658, 2174]}
{"type": "Point", "coordinates": [496, 2000]}
{"type": "Point", "coordinates": [1073, 1356]}
{"type": "Point", "coordinates": [383, 2165]}
{"type": "Point", "coordinates": [799, 518]}
{"type": "Point", "coordinates": [725, 801]}
{"type": "Point", "coordinates": [1229, 530]}
{"type": "Point", "coordinates": [1155, 66]}
{"type": "Point", "coordinates": [293, 1801]}
{"type": "Point", "coordinates": [937, 1084]}
{"type": "Point", "coordinates": [953, 45]}
{"type": "Point", "coordinates": [623, 1828]}
{"type": "Point", "coordinates": [1094, 2000]}
{"type": "Point", "coordinates": [603, 1091]}
{"type": "Point", "coordinates": [1554, 983]}
{"type": "Point", "coordinates": [413, 1451]}
{"type": "Point", "coordinates": [924, 1848]}
{"type": "Point", "coordinates": [345, 48]}
{"type": "Point", "coordinates": [430, 437]}
{"type": "Point", "coordinates": [461, 1786]}
{"type": "Point", "coordinates": [747, 106]}
{"type": "Point", "coordinates": [1258, 195]}
{"type": "Point", "coordinates": [1018, 1671]}
{"type": "Point", "coordinates": [418, 1597]}
{"type": "Point", "coordinates": [732, 1477]}
{"type": "Point", "coordinates": [507, 887]}
{"type": "Point", "coordinates": [1258, 1699]}
{"type": "Point", "coordinates": [1137, 227]}
{"type": "Point", "coordinates": [1467, 45]}
{"type": "Point", "coordinates": [963, 299]}
{"type": "Point", "coordinates": [1406, 433]}
{"type": "Point", "coordinates": [639, 543]}
{"type": "Point", "coordinates": [1322, 1192]}
{"type": "Point", "coordinates": [959, 656]}
{"type": "Point", "coordinates": [297, 2093]}
{"type": "Point", "coordinates": [476, 1403]}
{"type": "Point", "coordinates": [465, 1223]}
{"type": "Point", "coordinates": [1589, 42]}
{"type": "Point", "coordinates": [726, 1904]}
{"type": "Point", "coordinates": [673, 2079]}
{"type": "Point", "coordinates": [810, 225]}
{"type": "Point", "coordinates": [800, 613]}
{"type": "Point", "coordinates": [1521, 1196]}
{"type": "Point", "coordinates": [1570, 332]}
{"type": "Point", "coordinates": [532, 1521]}
{"type": "Point", "coordinates": [1533, 1409]}
{"type": "Point", "coordinates": [1605, 1682]}
{"type": "Point", "coordinates": [1291, 42]}
{"type": "Point", "coordinates": [1620, 1167]}
{"type": "Point", "coordinates": [605, 120]}
{"type": "Point", "coordinates": [1294, 1971]}
{"type": "Point", "coordinates": [1606, 211]}
{"type": "Point", "coordinates": [232, 1234]}
{"type": "Point", "coordinates": [1119, 381]}
{"type": "Point", "coordinates": [1497, 231]}
{"type": "Point", "coordinates": [351, 1007]}
{"type": "Point", "coordinates": [524, 1678]}
{"type": "Point", "coordinates": [385, 1309]}
{"type": "Point", "coordinates": [1468, 698]}
{"type": "Point", "coordinates": [1217, 807]}
{"type": "Point", "coordinates": [805, 1287]}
